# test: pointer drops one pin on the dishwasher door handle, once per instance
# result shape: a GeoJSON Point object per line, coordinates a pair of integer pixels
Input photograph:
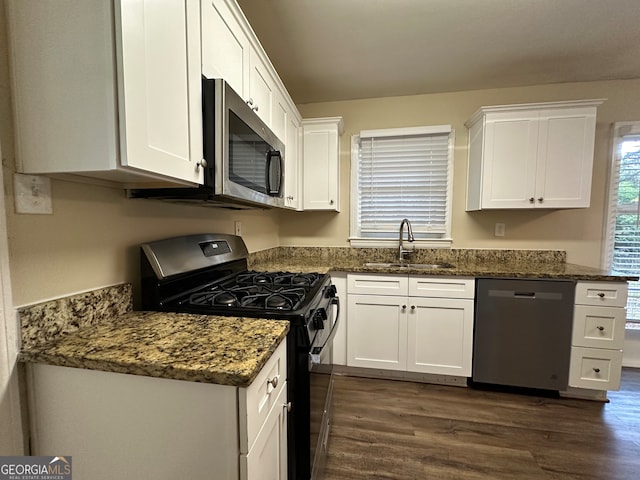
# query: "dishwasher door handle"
{"type": "Point", "coordinates": [525, 294]}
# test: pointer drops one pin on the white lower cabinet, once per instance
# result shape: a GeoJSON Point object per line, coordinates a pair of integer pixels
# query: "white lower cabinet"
{"type": "Point", "coordinates": [130, 427]}
{"type": "Point", "coordinates": [267, 458]}
{"type": "Point", "coordinates": [377, 332]}
{"type": "Point", "coordinates": [599, 318]}
{"type": "Point", "coordinates": [394, 325]}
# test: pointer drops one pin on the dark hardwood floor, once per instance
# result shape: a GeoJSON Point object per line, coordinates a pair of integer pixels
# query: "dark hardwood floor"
{"type": "Point", "coordinates": [385, 429]}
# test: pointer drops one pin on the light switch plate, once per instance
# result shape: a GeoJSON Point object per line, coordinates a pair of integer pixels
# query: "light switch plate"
{"type": "Point", "coordinates": [499, 230]}
{"type": "Point", "coordinates": [32, 194]}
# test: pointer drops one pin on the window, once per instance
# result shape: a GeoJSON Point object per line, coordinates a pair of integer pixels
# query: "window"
{"type": "Point", "coordinates": [622, 245]}
{"type": "Point", "coordinates": [401, 173]}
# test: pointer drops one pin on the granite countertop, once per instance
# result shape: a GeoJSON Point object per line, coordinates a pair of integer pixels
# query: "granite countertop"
{"type": "Point", "coordinates": [546, 264]}
{"type": "Point", "coordinates": [198, 348]}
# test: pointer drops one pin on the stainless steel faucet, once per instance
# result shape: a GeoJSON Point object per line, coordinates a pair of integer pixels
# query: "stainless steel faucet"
{"type": "Point", "coordinates": [402, 252]}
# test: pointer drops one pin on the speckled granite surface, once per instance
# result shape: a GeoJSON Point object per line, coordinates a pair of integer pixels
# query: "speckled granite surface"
{"type": "Point", "coordinates": [198, 348]}
{"type": "Point", "coordinates": [49, 320]}
{"type": "Point", "coordinates": [466, 262]}
{"type": "Point", "coordinates": [98, 330]}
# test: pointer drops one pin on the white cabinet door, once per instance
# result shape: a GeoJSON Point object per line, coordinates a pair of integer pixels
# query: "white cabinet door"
{"type": "Point", "coordinates": [565, 158]}
{"type": "Point", "coordinates": [292, 156]}
{"type": "Point", "coordinates": [225, 47]}
{"type": "Point", "coordinates": [321, 163]}
{"type": "Point", "coordinates": [280, 116]}
{"type": "Point", "coordinates": [509, 161]}
{"type": "Point", "coordinates": [377, 332]}
{"type": "Point", "coordinates": [159, 87]}
{"type": "Point", "coordinates": [440, 336]}
{"type": "Point", "coordinates": [267, 459]}
{"type": "Point", "coordinates": [261, 89]}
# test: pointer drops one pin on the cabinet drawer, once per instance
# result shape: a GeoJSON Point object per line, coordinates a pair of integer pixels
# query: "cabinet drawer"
{"type": "Point", "coordinates": [256, 400]}
{"type": "Point", "coordinates": [378, 284]}
{"type": "Point", "coordinates": [598, 327]}
{"type": "Point", "coordinates": [445, 287]}
{"type": "Point", "coordinates": [595, 368]}
{"type": "Point", "coordinates": [604, 294]}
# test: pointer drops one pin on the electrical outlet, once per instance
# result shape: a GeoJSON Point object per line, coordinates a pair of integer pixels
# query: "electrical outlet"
{"type": "Point", "coordinates": [238, 228]}
{"type": "Point", "coordinates": [32, 194]}
{"type": "Point", "coordinates": [499, 230]}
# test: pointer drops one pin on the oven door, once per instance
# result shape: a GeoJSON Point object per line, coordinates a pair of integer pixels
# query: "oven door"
{"type": "Point", "coordinates": [321, 388]}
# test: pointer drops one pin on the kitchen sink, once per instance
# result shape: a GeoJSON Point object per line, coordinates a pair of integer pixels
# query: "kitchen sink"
{"type": "Point", "coordinates": [419, 266]}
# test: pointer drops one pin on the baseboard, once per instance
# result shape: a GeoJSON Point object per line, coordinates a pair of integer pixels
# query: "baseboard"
{"type": "Point", "coordinates": [396, 375]}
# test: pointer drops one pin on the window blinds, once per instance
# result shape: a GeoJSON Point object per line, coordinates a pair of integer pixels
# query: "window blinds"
{"type": "Point", "coordinates": [623, 223]}
{"type": "Point", "coordinates": [403, 176]}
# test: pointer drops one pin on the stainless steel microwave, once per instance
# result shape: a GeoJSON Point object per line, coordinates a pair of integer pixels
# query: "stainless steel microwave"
{"type": "Point", "coordinates": [244, 160]}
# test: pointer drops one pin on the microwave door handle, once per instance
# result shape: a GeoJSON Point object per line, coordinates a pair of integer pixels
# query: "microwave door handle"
{"type": "Point", "coordinates": [316, 352]}
{"type": "Point", "coordinates": [270, 156]}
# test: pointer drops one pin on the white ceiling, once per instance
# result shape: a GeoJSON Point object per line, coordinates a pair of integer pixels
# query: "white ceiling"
{"type": "Point", "coordinates": [328, 50]}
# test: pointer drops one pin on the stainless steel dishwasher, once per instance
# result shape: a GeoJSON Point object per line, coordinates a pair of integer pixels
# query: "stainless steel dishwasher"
{"type": "Point", "coordinates": [522, 332]}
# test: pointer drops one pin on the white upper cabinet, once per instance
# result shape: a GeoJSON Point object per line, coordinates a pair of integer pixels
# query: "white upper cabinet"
{"type": "Point", "coordinates": [226, 49]}
{"type": "Point", "coordinates": [531, 155]}
{"type": "Point", "coordinates": [231, 51]}
{"type": "Point", "coordinates": [108, 91]}
{"type": "Point", "coordinates": [292, 159]}
{"type": "Point", "coordinates": [321, 163]}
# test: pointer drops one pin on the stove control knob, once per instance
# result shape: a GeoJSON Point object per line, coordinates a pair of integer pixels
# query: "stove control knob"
{"type": "Point", "coordinates": [318, 318]}
{"type": "Point", "coordinates": [330, 291]}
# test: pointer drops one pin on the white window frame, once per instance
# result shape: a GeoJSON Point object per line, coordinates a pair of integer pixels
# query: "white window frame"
{"type": "Point", "coordinates": [620, 130]}
{"type": "Point", "coordinates": [354, 238]}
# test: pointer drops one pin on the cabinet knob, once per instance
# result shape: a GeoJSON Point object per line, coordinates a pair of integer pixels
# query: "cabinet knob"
{"type": "Point", "coordinates": [601, 294]}
{"type": "Point", "coordinates": [600, 327]}
{"type": "Point", "coordinates": [597, 370]}
{"type": "Point", "coordinates": [540, 199]}
{"type": "Point", "coordinates": [413, 307]}
{"type": "Point", "coordinates": [331, 202]}
{"type": "Point", "coordinates": [250, 102]}
{"type": "Point", "coordinates": [287, 407]}
{"type": "Point", "coordinates": [404, 307]}
{"type": "Point", "coordinates": [273, 382]}
{"type": "Point", "coordinates": [202, 163]}
{"type": "Point", "coordinates": [255, 108]}
{"type": "Point", "coordinates": [531, 199]}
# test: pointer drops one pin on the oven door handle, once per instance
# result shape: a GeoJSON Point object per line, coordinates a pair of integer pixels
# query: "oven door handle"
{"type": "Point", "coordinates": [316, 352]}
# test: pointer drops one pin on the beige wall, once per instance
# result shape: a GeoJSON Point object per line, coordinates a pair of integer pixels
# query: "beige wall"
{"type": "Point", "coordinates": [578, 231]}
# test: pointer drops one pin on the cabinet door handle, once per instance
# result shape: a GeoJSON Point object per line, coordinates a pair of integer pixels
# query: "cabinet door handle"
{"type": "Point", "coordinates": [597, 370]}
{"type": "Point", "coordinates": [404, 307]}
{"type": "Point", "coordinates": [601, 294]}
{"type": "Point", "coordinates": [287, 407]}
{"type": "Point", "coordinates": [255, 108]}
{"type": "Point", "coordinates": [250, 102]}
{"type": "Point", "coordinates": [273, 382]}
{"type": "Point", "coordinates": [202, 163]}
{"type": "Point", "coordinates": [413, 307]}
{"type": "Point", "coordinates": [600, 327]}
{"type": "Point", "coordinates": [531, 199]}
{"type": "Point", "coordinates": [540, 199]}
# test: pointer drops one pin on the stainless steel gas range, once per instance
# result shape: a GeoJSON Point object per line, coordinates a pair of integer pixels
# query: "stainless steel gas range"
{"type": "Point", "coordinates": [207, 273]}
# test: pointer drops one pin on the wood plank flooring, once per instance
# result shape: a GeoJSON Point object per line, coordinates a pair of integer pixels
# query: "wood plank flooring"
{"type": "Point", "coordinates": [385, 429]}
